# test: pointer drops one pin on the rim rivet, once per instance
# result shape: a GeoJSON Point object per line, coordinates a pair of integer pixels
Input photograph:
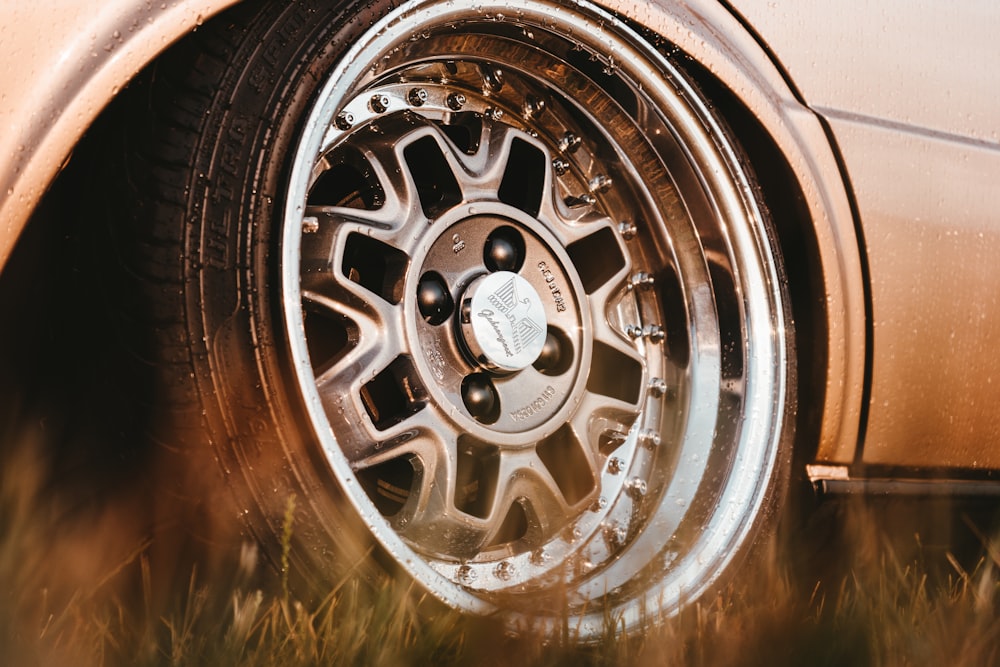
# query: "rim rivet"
{"type": "Point", "coordinates": [616, 465]}
{"type": "Point", "coordinates": [650, 438]}
{"type": "Point", "coordinates": [560, 166]}
{"type": "Point", "coordinates": [600, 183]}
{"type": "Point", "coordinates": [493, 113]}
{"type": "Point", "coordinates": [504, 571]}
{"type": "Point", "coordinates": [658, 386]}
{"type": "Point", "coordinates": [628, 230]}
{"type": "Point", "coordinates": [456, 101]}
{"type": "Point", "coordinates": [493, 78]}
{"type": "Point", "coordinates": [310, 224]}
{"type": "Point", "coordinates": [533, 107]}
{"type": "Point", "coordinates": [345, 120]}
{"type": "Point", "coordinates": [637, 487]}
{"type": "Point", "coordinates": [540, 556]}
{"type": "Point", "coordinates": [466, 574]}
{"type": "Point", "coordinates": [641, 279]}
{"type": "Point", "coordinates": [654, 332]}
{"type": "Point", "coordinates": [379, 103]}
{"type": "Point", "coordinates": [569, 143]}
{"type": "Point", "coordinates": [417, 97]}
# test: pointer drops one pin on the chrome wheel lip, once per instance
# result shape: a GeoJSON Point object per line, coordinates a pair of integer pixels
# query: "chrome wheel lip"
{"type": "Point", "coordinates": [763, 395]}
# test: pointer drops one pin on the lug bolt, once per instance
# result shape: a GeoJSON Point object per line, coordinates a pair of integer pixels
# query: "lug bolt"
{"type": "Point", "coordinates": [379, 103]}
{"type": "Point", "coordinates": [417, 97]}
{"type": "Point", "coordinates": [456, 101]}
{"type": "Point", "coordinates": [345, 120]}
{"type": "Point", "coordinates": [310, 224]}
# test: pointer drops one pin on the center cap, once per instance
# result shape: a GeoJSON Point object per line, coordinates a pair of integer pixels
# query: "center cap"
{"type": "Point", "coordinates": [503, 321]}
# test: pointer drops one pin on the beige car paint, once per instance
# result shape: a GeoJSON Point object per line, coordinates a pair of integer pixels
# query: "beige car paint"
{"type": "Point", "coordinates": [920, 135]}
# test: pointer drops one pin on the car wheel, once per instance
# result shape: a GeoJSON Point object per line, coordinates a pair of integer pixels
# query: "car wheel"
{"type": "Point", "coordinates": [486, 281]}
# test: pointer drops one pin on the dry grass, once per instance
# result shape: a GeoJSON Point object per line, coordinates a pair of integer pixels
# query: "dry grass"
{"type": "Point", "coordinates": [857, 586]}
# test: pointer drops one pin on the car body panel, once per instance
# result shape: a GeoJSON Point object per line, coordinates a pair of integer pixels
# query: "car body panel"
{"type": "Point", "coordinates": [930, 205]}
{"type": "Point", "coordinates": [921, 144]}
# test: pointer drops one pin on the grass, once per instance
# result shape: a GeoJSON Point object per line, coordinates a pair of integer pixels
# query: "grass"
{"type": "Point", "coordinates": [864, 583]}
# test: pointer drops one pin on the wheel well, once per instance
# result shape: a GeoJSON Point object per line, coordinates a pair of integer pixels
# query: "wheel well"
{"type": "Point", "coordinates": [784, 201]}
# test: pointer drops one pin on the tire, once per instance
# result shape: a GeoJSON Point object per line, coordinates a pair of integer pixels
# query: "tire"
{"type": "Point", "coordinates": [486, 286]}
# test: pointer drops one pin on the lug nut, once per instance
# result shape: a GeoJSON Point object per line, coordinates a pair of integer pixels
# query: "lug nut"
{"type": "Point", "coordinates": [551, 353]}
{"type": "Point", "coordinates": [456, 101]}
{"type": "Point", "coordinates": [504, 250]}
{"type": "Point", "coordinates": [433, 299]}
{"type": "Point", "coordinates": [480, 398]}
{"type": "Point", "coordinates": [417, 97]}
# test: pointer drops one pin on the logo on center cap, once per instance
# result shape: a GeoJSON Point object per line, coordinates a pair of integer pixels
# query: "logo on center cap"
{"type": "Point", "coordinates": [508, 320]}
